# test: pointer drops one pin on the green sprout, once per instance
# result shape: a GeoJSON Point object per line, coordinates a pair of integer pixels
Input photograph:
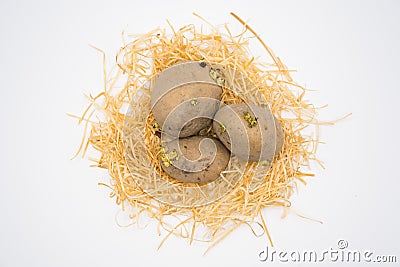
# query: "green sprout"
{"type": "Point", "coordinates": [168, 158]}
{"type": "Point", "coordinates": [222, 128]}
{"type": "Point", "coordinates": [217, 76]}
{"type": "Point", "coordinates": [220, 81]}
{"type": "Point", "coordinates": [156, 126]}
{"type": "Point", "coordinates": [194, 102]}
{"type": "Point", "coordinates": [163, 149]}
{"type": "Point", "coordinates": [252, 121]}
{"type": "Point", "coordinates": [213, 74]}
{"type": "Point", "coordinates": [165, 160]}
{"type": "Point", "coordinates": [173, 155]}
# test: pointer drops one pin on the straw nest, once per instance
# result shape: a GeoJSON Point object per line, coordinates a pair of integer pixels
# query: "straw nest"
{"type": "Point", "coordinates": [124, 134]}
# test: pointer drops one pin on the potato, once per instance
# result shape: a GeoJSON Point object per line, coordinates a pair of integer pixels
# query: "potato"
{"type": "Point", "coordinates": [250, 132]}
{"type": "Point", "coordinates": [195, 159]}
{"type": "Point", "coordinates": [279, 136]}
{"type": "Point", "coordinates": [185, 99]}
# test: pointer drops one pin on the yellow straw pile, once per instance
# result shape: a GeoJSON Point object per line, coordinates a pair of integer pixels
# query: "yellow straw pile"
{"type": "Point", "coordinates": [136, 63]}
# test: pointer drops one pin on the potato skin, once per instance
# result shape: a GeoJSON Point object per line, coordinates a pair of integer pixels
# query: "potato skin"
{"type": "Point", "coordinates": [177, 91]}
{"type": "Point", "coordinates": [259, 142]}
{"type": "Point", "coordinates": [187, 109]}
{"type": "Point", "coordinates": [192, 166]}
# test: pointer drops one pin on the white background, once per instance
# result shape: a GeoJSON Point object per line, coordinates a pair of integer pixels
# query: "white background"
{"type": "Point", "coordinates": [52, 211]}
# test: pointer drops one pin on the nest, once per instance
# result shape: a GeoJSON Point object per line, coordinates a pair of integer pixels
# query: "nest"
{"type": "Point", "coordinates": [138, 183]}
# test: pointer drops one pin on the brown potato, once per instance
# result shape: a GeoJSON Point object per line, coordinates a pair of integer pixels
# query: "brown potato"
{"type": "Point", "coordinates": [185, 99]}
{"type": "Point", "coordinates": [249, 131]}
{"type": "Point", "coordinates": [195, 159]}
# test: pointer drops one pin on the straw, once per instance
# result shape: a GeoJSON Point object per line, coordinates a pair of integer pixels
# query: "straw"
{"type": "Point", "coordinates": [143, 56]}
